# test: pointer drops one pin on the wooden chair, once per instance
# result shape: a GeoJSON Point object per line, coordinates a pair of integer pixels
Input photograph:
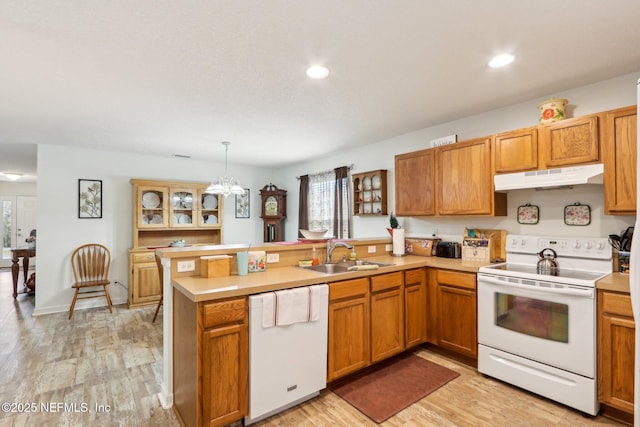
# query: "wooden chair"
{"type": "Point", "coordinates": [90, 264]}
{"type": "Point", "coordinates": [159, 264]}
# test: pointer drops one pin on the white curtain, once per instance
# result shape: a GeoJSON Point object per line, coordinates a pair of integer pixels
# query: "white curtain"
{"type": "Point", "coordinates": [321, 200]}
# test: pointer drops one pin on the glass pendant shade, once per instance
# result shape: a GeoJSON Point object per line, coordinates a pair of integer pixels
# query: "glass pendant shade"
{"type": "Point", "coordinates": [225, 185]}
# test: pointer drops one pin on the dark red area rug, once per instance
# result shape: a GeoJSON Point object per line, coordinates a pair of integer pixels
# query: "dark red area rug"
{"type": "Point", "coordinates": [387, 390]}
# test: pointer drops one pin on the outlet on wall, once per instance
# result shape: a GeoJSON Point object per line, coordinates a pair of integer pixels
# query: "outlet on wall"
{"type": "Point", "coordinates": [273, 258]}
{"type": "Point", "coordinates": [371, 249]}
{"type": "Point", "coordinates": [186, 266]}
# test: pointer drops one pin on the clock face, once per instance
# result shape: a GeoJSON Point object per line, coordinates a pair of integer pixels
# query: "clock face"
{"type": "Point", "coordinates": [271, 206]}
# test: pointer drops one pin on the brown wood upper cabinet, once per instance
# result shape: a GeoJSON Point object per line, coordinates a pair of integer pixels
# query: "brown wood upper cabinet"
{"type": "Point", "coordinates": [455, 179]}
{"type": "Point", "coordinates": [416, 183]}
{"type": "Point", "coordinates": [619, 147]}
{"type": "Point", "coordinates": [465, 180]}
{"type": "Point", "coordinates": [516, 150]}
{"type": "Point", "coordinates": [569, 142]}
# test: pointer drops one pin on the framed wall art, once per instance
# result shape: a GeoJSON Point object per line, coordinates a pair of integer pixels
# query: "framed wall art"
{"type": "Point", "coordinates": [243, 204]}
{"type": "Point", "coordinates": [89, 198]}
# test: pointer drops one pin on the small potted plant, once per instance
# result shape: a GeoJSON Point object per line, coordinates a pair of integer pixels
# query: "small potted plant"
{"type": "Point", "coordinates": [393, 223]}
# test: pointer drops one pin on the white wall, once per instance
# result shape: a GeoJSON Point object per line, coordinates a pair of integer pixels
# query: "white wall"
{"type": "Point", "coordinates": [606, 95]}
{"type": "Point", "coordinates": [8, 188]}
{"type": "Point", "coordinates": [60, 230]}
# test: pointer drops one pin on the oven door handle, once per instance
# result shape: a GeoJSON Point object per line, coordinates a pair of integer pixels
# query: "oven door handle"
{"type": "Point", "coordinates": [587, 292]}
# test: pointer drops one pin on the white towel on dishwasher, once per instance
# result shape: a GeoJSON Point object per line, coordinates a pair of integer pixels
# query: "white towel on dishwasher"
{"type": "Point", "coordinates": [290, 306]}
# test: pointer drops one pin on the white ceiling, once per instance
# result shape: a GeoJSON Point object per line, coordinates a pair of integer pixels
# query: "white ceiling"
{"type": "Point", "coordinates": [179, 77]}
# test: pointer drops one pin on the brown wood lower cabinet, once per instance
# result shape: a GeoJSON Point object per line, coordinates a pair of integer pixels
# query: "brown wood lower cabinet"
{"type": "Point", "coordinates": [453, 311]}
{"type": "Point", "coordinates": [211, 357]}
{"type": "Point", "coordinates": [144, 283]}
{"type": "Point", "coordinates": [415, 307]}
{"type": "Point", "coordinates": [372, 319]}
{"type": "Point", "coordinates": [349, 346]}
{"type": "Point", "coordinates": [616, 354]}
{"type": "Point", "coordinates": [387, 315]}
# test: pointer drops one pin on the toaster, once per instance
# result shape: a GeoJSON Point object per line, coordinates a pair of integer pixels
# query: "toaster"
{"type": "Point", "coordinates": [449, 250]}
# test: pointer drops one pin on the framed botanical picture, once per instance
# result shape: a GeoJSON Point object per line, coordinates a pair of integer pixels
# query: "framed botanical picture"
{"type": "Point", "coordinates": [242, 204]}
{"type": "Point", "coordinates": [89, 198]}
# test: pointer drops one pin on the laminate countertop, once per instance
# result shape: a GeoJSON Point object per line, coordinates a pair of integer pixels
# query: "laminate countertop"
{"type": "Point", "coordinates": [617, 282]}
{"type": "Point", "coordinates": [199, 289]}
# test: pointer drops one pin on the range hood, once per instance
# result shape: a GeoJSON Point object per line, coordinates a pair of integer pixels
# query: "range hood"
{"type": "Point", "coordinates": [550, 178]}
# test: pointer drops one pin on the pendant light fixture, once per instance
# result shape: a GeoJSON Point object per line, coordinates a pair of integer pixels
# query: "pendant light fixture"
{"type": "Point", "coordinates": [225, 185]}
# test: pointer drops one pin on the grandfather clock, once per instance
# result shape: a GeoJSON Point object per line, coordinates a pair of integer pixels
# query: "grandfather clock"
{"type": "Point", "coordinates": [274, 212]}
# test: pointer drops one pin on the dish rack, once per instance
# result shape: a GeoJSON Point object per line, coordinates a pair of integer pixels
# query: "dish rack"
{"type": "Point", "coordinates": [484, 245]}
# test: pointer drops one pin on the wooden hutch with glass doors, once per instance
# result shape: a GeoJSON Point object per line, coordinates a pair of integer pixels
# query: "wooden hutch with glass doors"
{"type": "Point", "coordinates": [165, 213]}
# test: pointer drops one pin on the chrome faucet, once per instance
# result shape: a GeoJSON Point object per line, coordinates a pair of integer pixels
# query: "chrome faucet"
{"type": "Point", "coordinates": [331, 247]}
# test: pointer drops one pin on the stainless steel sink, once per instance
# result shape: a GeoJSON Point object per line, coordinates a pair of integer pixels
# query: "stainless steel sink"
{"type": "Point", "coordinates": [341, 267]}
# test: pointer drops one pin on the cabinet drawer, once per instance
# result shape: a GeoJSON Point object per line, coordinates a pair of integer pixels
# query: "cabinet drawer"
{"type": "Point", "coordinates": [414, 277]}
{"type": "Point", "coordinates": [386, 281]}
{"type": "Point", "coordinates": [453, 278]}
{"type": "Point", "coordinates": [348, 288]}
{"type": "Point", "coordinates": [221, 312]}
{"type": "Point", "coordinates": [616, 304]}
{"type": "Point", "coordinates": [144, 257]}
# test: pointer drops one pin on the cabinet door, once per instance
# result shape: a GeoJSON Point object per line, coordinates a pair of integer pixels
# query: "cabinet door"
{"type": "Point", "coordinates": [516, 150]}
{"type": "Point", "coordinates": [145, 285]}
{"type": "Point", "coordinates": [457, 312]}
{"type": "Point", "coordinates": [152, 207]}
{"type": "Point", "coordinates": [415, 183]}
{"type": "Point", "coordinates": [465, 180]}
{"type": "Point", "coordinates": [616, 351]}
{"type": "Point", "coordinates": [349, 347]}
{"type": "Point", "coordinates": [387, 315]}
{"type": "Point", "coordinates": [457, 322]}
{"type": "Point", "coordinates": [619, 148]}
{"type": "Point", "coordinates": [183, 208]}
{"type": "Point", "coordinates": [225, 374]}
{"type": "Point", "coordinates": [209, 208]}
{"type": "Point", "coordinates": [415, 307]}
{"type": "Point", "coordinates": [569, 142]}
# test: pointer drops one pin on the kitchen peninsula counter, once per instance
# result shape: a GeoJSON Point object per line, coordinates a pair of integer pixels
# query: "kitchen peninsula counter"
{"type": "Point", "coordinates": [198, 288]}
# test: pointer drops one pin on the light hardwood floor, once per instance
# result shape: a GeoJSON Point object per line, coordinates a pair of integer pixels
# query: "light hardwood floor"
{"type": "Point", "coordinates": [116, 360]}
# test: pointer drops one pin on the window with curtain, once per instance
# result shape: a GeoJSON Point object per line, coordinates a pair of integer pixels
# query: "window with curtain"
{"type": "Point", "coordinates": [324, 202]}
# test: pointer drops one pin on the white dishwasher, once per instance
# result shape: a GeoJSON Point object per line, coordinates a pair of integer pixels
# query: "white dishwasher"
{"type": "Point", "coordinates": [287, 363]}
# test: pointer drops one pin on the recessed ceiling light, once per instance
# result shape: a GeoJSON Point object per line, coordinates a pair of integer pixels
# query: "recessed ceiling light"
{"type": "Point", "coordinates": [317, 72]}
{"type": "Point", "coordinates": [501, 60]}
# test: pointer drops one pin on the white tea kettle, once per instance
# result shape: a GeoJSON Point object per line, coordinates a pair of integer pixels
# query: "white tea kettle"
{"type": "Point", "coordinates": [547, 264]}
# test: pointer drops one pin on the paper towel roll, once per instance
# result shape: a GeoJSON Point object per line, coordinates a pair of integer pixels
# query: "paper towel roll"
{"type": "Point", "coordinates": [398, 241]}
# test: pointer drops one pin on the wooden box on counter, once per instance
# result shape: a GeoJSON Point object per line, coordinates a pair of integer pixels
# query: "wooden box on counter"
{"type": "Point", "coordinates": [215, 266]}
{"type": "Point", "coordinates": [485, 246]}
{"type": "Point", "coordinates": [421, 246]}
